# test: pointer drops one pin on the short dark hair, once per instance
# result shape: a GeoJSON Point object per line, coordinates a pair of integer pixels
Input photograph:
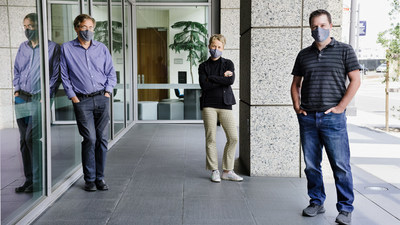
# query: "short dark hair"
{"type": "Point", "coordinates": [320, 12]}
{"type": "Point", "coordinates": [79, 19]}
{"type": "Point", "coordinates": [32, 17]}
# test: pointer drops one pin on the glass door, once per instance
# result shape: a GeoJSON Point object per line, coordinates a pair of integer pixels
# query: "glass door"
{"type": "Point", "coordinates": [167, 82]}
{"type": "Point", "coordinates": [65, 137]}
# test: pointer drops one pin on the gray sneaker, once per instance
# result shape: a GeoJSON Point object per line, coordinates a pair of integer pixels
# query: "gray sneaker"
{"type": "Point", "coordinates": [343, 218]}
{"type": "Point", "coordinates": [313, 209]}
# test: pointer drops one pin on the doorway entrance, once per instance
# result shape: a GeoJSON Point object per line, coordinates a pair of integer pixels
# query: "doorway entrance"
{"type": "Point", "coordinates": [152, 66]}
{"type": "Point", "coordinates": [166, 89]}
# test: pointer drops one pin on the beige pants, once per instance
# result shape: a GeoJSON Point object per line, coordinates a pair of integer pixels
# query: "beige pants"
{"type": "Point", "coordinates": [225, 116]}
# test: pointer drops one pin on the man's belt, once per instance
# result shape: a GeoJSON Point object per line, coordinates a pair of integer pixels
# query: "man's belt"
{"type": "Point", "coordinates": [79, 95]}
{"type": "Point", "coordinates": [21, 92]}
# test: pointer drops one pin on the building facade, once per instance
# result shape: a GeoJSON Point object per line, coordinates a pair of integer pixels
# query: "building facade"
{"type": "Point", "coordinates": [155, 83]}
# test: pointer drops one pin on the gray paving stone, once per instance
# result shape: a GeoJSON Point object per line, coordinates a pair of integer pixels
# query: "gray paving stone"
{"type": "Point", "coordinates": [157, 175]}
{"type": "Point", "coordinates": [80, 209]}
{"type": "Point", "coordinates": [205, 210]}
{"type": "Point", "coordinates": [144, 207]}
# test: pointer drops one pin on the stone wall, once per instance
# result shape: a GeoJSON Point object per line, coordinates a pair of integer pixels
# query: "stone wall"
{"type": "Point", "coordinates": [272, 33]}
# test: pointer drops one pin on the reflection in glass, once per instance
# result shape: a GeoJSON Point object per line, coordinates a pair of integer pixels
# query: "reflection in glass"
{"type": "Point", "coordinates": [101, 32]}
{"type": "Point", "coordinates": [65, 138]}
{"type": "Point", "coordinates": [165, 84]}
{"type": "Point", "coordinates": [23, 184]}
{"type": "Point", "coordinates": [62, 30]}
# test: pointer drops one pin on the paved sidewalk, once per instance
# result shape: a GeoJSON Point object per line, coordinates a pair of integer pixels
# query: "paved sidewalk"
{"type": "Point", "coordinates": [375, 157]}
{"type": "Point", "coordinates": [156, 176]}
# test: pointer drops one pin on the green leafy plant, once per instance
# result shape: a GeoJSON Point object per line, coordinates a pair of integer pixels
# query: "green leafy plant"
{"type": "Point", "coordinates": [101, 34]}
{"type": "Point", "coordinates": [192, 38]}
{"type": "Point", "coordinates": [390, 40]}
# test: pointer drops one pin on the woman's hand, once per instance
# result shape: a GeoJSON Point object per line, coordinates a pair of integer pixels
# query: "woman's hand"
{"type": "Point", "coordinates": [228, 74]}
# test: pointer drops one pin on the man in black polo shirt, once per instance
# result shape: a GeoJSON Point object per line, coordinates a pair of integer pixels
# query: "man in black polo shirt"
{"type": "Point", "coordinates": [320, 73]}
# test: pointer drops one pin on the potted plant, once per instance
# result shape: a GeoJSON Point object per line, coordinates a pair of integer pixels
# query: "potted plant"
{"type": "Point", "coordinates": [101, 34]}
{"type": "Point", "coordinates": [193, 39]}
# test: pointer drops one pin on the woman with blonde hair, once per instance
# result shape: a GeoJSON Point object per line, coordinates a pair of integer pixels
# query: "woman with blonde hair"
{"type": "Point", "coordinates": [216, 75]}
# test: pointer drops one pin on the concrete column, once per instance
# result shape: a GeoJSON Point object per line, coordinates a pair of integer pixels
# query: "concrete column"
{"type": "Point", "coordinates": [272, 33]}
{"type": "Point", "coordinates": [230, 28]}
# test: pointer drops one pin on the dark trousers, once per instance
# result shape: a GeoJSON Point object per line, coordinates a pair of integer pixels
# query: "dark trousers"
{"type": "Point", "coordinates": [92, 117]}
{"type": "Point", "coordinates": [28, 114]}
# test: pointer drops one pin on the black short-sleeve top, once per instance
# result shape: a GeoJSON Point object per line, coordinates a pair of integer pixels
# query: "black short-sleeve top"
{"type": "Point", "coordinates": [324, 74]}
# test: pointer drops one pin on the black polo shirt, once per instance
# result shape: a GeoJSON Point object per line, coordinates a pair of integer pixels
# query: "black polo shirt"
{"type": "Point", "coordinates": [324, 74]}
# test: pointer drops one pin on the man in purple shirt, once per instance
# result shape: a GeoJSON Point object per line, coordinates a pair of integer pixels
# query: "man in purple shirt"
{"type": "Point", "coordinates": [27, 92]}
{"type": "Point", "coordinates": [88, 77]}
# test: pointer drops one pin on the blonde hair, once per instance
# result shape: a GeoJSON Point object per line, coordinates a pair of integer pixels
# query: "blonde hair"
{"type": "Point", "coordinates": [218, 37]}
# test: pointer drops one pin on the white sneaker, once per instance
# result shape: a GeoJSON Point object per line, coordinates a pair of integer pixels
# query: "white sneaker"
{"type": "Point", "coordinates": [232, 176]}
{"type": "Point", "coordinates": [215, 177]}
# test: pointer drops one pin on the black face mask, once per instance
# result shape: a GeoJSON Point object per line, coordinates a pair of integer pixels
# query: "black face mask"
{"type": "Point", "coordinates": [31, 34]}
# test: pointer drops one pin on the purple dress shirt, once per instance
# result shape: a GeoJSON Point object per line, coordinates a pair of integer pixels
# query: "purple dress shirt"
{"type": "Point", "coordinates": [27, 67]}
{"type": "Point", "coordinates": [85, 71]}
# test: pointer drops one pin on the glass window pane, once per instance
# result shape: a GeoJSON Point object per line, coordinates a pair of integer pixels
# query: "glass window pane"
{"type": "Point", "coordinates": [118, 60]}
{"type": "Point", "coordinates": [166, 78]}
{"type": "Point", "coordinates": [101, 31]}
{"type": "Point", "coordinates": [65, 138]}
{"type": "Point", "coordinates": [172, 1]}
{"type": "Point", "coordinates": [85, 7]}
{"type": "Point", "coordinates": [128, 62]}
{"type": "Point", "coordinates": [21, 125]}
{"type": "Point", "coordinates": [100, 14]}
{"type": "Point", "coordinates": [61, 31]}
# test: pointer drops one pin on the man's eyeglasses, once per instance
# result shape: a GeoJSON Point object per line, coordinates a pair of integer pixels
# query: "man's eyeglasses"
{"type": "Point", "coordinates": [29, 26]}
{"type": "Point", "coordinates": [87, 28]}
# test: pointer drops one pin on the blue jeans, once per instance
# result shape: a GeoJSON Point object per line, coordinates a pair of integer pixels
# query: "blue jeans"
{"type": "Point", "coordinates": [92, 117]}
{"type": "Point", "coordinates": [318, 130]}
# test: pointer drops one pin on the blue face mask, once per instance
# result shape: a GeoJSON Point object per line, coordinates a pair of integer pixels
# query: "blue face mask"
{"type": "Point", "coordinates": [320, 34]}
{"type": "Point", "coordinates": [215, 53]}
{"type": "Point", "coordinates": [86, 35]}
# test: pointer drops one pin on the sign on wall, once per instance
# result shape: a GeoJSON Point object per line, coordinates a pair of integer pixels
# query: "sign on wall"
{"type": "Point", "coordinates": [362, 29]}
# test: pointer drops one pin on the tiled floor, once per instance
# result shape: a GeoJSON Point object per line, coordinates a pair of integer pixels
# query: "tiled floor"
{"type": "Point", "coordinates": [157, 175]}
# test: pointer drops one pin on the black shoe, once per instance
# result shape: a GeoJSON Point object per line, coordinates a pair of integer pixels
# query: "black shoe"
{"type": "Point", "coordinates": [101, 185]}
{"type": "Point", "coordinates": [23, 187]}
{"type": "Point", "coordinates": [29, 189]}
{"type": "Point", "coordinates": [90, 186]}
{"type": "Point", "coordinates": [313, 210]}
